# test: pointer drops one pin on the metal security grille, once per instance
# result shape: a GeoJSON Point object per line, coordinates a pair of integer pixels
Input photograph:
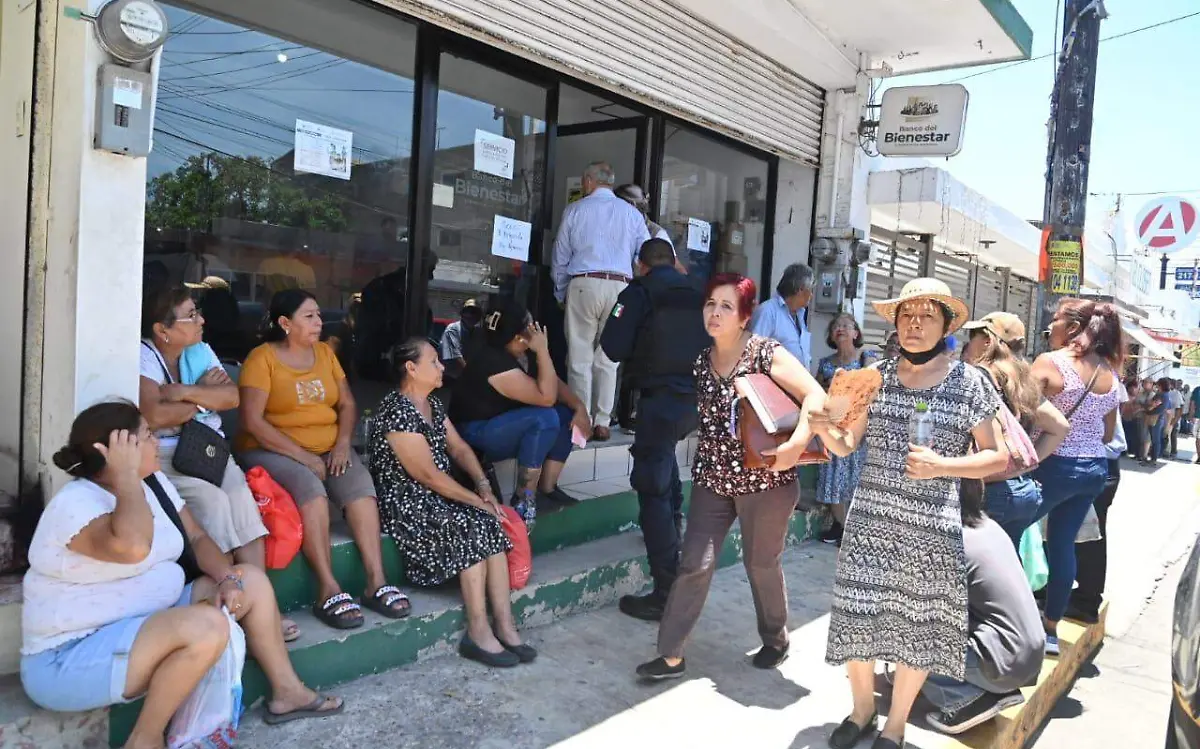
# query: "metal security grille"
{"type": "Point", "coordinates": [897, 259]}
{"type": "Point", "coordinates": [655, 52]}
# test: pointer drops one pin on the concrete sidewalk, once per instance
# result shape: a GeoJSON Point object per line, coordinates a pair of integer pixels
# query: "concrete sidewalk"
{"type": "Point", "coordinates": [581, 692]}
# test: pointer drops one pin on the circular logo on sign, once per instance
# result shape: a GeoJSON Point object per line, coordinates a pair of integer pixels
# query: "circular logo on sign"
{"type": "Point", "coordinates": [1168, 224]}
{"type": "Point", "coordinates": [210, 451]}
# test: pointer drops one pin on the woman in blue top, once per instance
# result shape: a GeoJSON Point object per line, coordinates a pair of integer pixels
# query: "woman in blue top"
{"type": "Point", "coordinates": [839, 476]}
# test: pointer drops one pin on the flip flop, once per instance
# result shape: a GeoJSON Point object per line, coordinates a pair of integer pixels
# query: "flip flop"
{"type": "Point", "coordinates": [311, 710]}
{"type": "Point", "coordinates": [291, 631]}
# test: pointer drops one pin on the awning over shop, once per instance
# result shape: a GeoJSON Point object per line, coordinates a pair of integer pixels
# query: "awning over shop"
{"type": "Point", "coordinates": [1151, 349]}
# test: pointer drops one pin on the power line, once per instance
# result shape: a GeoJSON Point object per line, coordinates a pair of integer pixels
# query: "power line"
{"type": "Point", "coordinates": [1131, 32]}
{"type": "Point", "coordinates": [1142, 194]}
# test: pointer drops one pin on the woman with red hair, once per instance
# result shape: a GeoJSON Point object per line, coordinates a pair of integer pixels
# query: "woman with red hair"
{"type": "Point", "coordinates": [1079, 376]}
{"type": "Point", "coordinates": [724, 490]}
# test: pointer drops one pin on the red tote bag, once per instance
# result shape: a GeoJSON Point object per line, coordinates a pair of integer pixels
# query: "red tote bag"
{"type": "Point", "coordinates": [520, 559]}
{"type": "Point", "coordinates": [281, 516]}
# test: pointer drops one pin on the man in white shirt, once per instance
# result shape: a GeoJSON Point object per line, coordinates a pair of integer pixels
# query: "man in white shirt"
{"type": "Point", "coordinates": [594, 256]}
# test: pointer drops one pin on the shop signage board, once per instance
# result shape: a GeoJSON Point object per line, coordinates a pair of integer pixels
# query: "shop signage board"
{"type": "Point", "coordinates": [922, 120]}
{"type": "Point", "coordinates": [1066, 258]}
{"type": "Point", "coordinates": [699, 235]}
{"type": "Point", "coordinates": [494, 154]}
{"type": "Point", "coordinates": [1168, 224]}
{"type": "Point", "coordinates": [320, 149]}
{"type": "Point", "coordinates": [510, 238]}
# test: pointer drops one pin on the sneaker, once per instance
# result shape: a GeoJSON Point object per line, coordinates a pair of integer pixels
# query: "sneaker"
{"type": "Point", "coordinates": [658, 670]}
{"type": "Point", "coordinates": [974, 713]}
{"type": "Point", "coordinates": [648, 608]}
{"type": "Point", "coordinates": [526, 507]}
{"type": "Point", "coordinates": [1052, 644]}
{"type": "Point", "coordinates": [769, 657]}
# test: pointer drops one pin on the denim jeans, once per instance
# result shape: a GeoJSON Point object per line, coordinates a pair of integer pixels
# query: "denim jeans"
{"type": "Point", "coordinates": [1069, 487]}
{"type": "Point", "coordinates": [1156, 438]}
{"type": "Point", "coordinates": [1013, 504]}
{"type": "Point", "coordinates": [948, 694]}
{"type": "Point", "coordinates": [532, 435]}
{"type": "Point", "coordinates": [663, 419]}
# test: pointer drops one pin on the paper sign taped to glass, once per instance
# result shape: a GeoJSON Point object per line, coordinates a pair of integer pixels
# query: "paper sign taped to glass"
{"type": "Point", "coordinates": [510, 238]}
{"type": "Point", "coordinates": [494, 154]}
{"type": "Point", "coordinates": [699, 235]}
{"type": "Point", "coordinates": [320, 149]}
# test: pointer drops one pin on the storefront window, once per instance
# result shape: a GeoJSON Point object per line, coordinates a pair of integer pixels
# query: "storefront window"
{"type": "Point", "coordinates": [713, 203]}
{"type": "Point", "coordinates": [487, 187]}
{"type": "Point", "coordinates": [277, 164]}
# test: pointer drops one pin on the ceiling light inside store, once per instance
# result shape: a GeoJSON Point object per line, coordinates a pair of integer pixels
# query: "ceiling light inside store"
{"type": "Point", "coordinates": [281, 57]}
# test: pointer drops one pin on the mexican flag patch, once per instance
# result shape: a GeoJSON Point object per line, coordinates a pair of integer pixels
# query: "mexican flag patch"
{"type": "Point", "coordinates": [618, 309]}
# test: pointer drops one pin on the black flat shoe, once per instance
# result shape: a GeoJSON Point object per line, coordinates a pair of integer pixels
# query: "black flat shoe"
{"type": "Point", "coordinates": [525, 652]}
{"type": "Point", "coordinates": [849, 733]}
{"type": "Point", "coordinates": [769, 657]}
{"type": "Point", "coordinates": [472, 652]}
{"type": "Point", "coordinates": [648, 608]}
{"type": "Point", "coordinates": [658, 670]}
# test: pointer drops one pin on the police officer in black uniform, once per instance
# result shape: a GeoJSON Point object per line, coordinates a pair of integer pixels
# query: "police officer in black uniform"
{"type": "Point", "coordinates": [657, 330]}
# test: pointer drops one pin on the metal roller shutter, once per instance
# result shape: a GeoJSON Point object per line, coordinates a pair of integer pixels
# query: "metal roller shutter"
{"type": "Point", "coordinates": [655, 52]}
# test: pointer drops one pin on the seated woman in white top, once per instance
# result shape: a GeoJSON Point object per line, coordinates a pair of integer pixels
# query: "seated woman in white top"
{"type": "Point", "coordinates": [109, 616]}
{"type": "Point", "coordinates": [182, 380]}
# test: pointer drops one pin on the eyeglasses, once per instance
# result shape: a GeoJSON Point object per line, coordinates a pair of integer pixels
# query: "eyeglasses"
{"type": "Point", "coordinates": [192, 317]}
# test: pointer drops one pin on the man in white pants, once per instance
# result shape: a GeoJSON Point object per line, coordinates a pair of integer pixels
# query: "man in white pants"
{"type": "Point", "coordinates": [594, 256]}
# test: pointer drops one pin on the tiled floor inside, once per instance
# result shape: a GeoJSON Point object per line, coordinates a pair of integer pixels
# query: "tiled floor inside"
{"type": "Point", "coordinates": [600, 469]}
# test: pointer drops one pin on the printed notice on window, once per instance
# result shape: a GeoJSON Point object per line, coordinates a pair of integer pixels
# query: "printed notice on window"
{"type": "Point", "coordinates": [510, 238]}
{"type": "Point", "coordinates": [494, 154]}
{"type": "Point", "coordinates": [321, 149]}
{"type": "Point", "coordinates": [699, 235]}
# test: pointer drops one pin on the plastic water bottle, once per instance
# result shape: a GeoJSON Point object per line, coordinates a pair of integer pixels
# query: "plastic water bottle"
{"type": "Point", "coordinates": [920, 425]}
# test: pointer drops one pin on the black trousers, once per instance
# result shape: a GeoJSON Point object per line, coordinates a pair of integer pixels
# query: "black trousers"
{"type": "Point", "coordinates": [1091, 559]}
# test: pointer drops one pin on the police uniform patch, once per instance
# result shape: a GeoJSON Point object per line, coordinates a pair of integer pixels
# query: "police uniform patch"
{"type": "Point", "coordinates": [618, 309]}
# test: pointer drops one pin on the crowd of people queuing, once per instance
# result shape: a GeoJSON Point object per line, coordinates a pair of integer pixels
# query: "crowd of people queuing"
{"type": "Point", "coordinates": [928, 576]}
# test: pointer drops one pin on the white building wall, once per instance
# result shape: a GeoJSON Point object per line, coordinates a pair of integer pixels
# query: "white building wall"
{"type": "Point", "coordinates": [89, 208]}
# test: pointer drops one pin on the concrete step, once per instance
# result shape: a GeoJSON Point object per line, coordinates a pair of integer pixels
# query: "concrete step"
{"type": "Point", "coordinates": [566, 581]}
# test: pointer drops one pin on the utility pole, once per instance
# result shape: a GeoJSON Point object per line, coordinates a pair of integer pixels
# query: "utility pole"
{"type": "Point", "coordinates": [1069, 154]}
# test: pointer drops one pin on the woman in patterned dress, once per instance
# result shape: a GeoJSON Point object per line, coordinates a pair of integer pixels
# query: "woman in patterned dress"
{"type": "Point", "coordinates": [838, 477]}
{"type": "Point", "coordinates": [900, 591]}
{"type": "Point", "coordinates": [762, 500]}
{"type": "Point", "coordinates": [444, 530]}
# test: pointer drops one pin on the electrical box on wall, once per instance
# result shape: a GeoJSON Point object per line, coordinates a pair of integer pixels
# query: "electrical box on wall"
{"type": "Point", "coordinates": [123, 114]}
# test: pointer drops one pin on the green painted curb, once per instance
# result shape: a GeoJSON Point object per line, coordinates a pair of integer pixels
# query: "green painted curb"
{"type": "Point", "coordinates": [398, 643]}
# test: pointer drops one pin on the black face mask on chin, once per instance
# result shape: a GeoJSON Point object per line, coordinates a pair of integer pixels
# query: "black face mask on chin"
{"type": "Point", "coordinates": [924, 357]}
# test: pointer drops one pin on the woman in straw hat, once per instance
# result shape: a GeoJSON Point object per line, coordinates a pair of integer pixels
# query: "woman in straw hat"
{"type": "Point", "coordinates": [900, 590]}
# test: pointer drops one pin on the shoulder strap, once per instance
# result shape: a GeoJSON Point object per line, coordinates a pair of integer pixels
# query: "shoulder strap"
{"type": "Point", "coordinates": [187, 560]}
{"type": "Point", "coordinates": [161, 363]}
{"type": "Point", "coordinates": [1086, 389]}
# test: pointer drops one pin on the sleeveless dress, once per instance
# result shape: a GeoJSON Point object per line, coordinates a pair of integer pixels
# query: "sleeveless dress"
{"type": "Point", "coordinates": [438, 537]}
{"type": "Point", "coordinates": [900, 591]}
{"type": "Point", "coordinates": [838, 477]}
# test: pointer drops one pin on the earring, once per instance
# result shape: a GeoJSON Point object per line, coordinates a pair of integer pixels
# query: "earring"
{"type": "Point", "coordinates": [166, 339]}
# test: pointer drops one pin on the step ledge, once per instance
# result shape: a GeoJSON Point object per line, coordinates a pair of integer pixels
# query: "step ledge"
{"type": "Point", "coordinates": [1018, 726]}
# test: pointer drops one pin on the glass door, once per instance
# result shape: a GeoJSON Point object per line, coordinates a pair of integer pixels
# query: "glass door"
{"type": "Point", "coordinates": [488, 183]}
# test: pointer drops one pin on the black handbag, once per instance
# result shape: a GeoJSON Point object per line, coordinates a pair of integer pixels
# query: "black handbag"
{"type": "Point", "coordinates": [202, 452]}
{"type": "Point", "coordinates": [187, 559]}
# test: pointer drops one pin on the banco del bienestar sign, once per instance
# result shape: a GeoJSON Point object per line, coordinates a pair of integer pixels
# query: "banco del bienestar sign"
{"type": "Point", "coordinates": [922, 120]}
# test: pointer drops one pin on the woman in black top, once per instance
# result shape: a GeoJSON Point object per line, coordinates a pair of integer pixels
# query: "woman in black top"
{"type": "Point", "coordinates": [509, 405]}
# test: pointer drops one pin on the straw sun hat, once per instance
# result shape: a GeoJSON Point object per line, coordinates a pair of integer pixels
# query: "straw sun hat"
{"type": "Point", "coordinates": [930, 289]}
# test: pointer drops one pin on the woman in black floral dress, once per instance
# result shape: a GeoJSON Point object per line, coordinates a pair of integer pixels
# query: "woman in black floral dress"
{"type": "Point", "coordinates": [443, 529]}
